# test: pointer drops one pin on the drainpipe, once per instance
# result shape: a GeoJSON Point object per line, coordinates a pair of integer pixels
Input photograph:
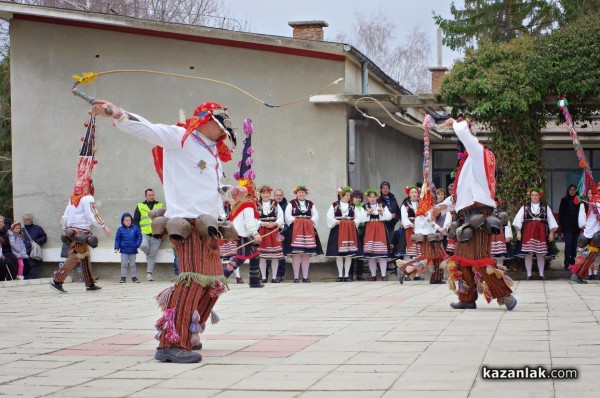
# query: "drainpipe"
{"type": "Point", "coordinates": [365, 78]}
{"type": "Point", "coordinates": [352, 152]}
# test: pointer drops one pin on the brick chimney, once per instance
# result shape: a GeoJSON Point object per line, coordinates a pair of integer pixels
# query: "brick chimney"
{"type": "Point", "coordinates": [308, 30]}
{"type": "Point", "coordinates": [437, 75]}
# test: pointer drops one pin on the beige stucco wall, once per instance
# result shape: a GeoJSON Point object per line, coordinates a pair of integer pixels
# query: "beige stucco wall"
{"type": "Point", "coordinates": [303, 143]}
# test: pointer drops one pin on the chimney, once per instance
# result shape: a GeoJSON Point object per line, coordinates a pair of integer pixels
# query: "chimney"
{"type": "Point", "coordinates": [308, 30]}
{"type": "Point", "coordinates": [437, 75]}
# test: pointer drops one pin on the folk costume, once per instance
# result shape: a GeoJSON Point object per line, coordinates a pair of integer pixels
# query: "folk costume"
{"type": "Point", "coordinates": [376, 247]}
{"type": "Point", "coordinates": [302, 240]}
{"type": "Point", "coordinates": [472, 268]}
{"type": "Point", "coordinates": [499, 241]}
{"type": "Point", "coordinates": [586, 262]}
{"type": "Point", "coordinates": [408, 211]}
{"type": "Point", "coordinates": [80, 214]}
{"type": "Point", "coordinates": [228, 248]}
{"type": "Point", "coordinates": [186, 159]}
{"type": "Point", "coordinates": [271, 247]}
{"type": "Point", "coordinates": [535, 221]}
{"type": "Point", "coordinates": [343, 241]}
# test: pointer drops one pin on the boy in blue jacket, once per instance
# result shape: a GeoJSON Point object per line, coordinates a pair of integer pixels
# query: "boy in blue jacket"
{"type": "Point", "coordinates": [127, 241]}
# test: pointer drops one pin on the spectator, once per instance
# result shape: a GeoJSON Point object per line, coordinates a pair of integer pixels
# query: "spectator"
{"type": "Point", "coordinates": [127, 240]}
{"type": "Point", "coordinates": [36, 233]}
{"type": "Point", "coordinates": [567, 219]}
{"type": "Point", "coordinates": [282, 201]}
{"type": "Point", "coordinates": [17, 244]}
{"type": "Point", "coordinates": [8, 261]}
{"type": "Point", "coordinates": [388, 199]}
{"type": "Point", "coordinates": [150, 244]}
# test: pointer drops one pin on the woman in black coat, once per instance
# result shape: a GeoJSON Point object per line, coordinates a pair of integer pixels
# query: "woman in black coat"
{"type": "Point", "coordinates": [567, 219]}
{"type": "Point", "coordinates": [8, 261]}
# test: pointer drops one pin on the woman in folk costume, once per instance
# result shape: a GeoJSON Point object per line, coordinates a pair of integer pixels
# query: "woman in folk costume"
{"type": "Point", "coordinates": [359, 210]}
{"type": "Point", "coordinates": [589, 240]}
{"type": "Point", "coordinates": [271, 220]}
{"type": "Point", "coordinates": [81, 213]}
{"type": "Point", "coordinates": [535, 225]}
{"type": "Point", "coordinates": [376, 247]}
{"type": "Point", "coordinates": [302, 240]}
{"type": "Point", "coordinates": [228, 248]}
{"type": "Point", "coordinates": [343, 237]}
{"type": "Point", "coordinates": [244, 213]}
{"type": "Point", "coordinates": [187, 157]}
{"type": "Point", "coordinates": [408, 211]}
{"type": "Point", "coordinates": [499, 241]}
{"type": "Point", "coordinates": [472, 268]}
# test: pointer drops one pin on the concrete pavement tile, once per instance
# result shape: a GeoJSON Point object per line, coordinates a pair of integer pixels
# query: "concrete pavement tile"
{"type": "Point", "coordinates": [376, 358]}
{"type": "Point", "coordinates": [153, 392]}
{"type": "Point", "coordinates": [14, 390]}
{"type": "Point", "coordinates": [257, 394]}
{"type": "Point", "coordinates": [342, 394]}
{"type": "Point", "coordinates": [348, 381]}
{"type": "Point", "coordinates": [387, 368]}
{"type": "Point", "coordinates": [426, 394]}
{"type": "Point", "coordinates": [109, 388]}
{"type": "Point", "coordinates": [62, 381]}
{"type": "Point", "coordinates": [318, 358]}
{"type": "Point", "coordinates": [279, 381]}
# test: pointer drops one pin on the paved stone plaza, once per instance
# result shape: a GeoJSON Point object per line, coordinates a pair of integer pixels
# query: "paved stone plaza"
{"type": "Point", "coordinates": [359, 339]}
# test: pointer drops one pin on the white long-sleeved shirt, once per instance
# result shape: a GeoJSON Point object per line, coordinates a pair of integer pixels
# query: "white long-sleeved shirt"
{"type": "Point", "coordinates": [535, 208]}
{"type": "Point", "coordinates": [266, 209]}
{"type": "Point", "coordinates": [589, 223]}
{"type": "Point", "coordinates": [83, 216]}
{"type": "Point", "coordinates": [245, 223]}
{"type": "Point", "coordinates": [289, 219]}
{"type": "Point", "coordinates": [191, 174]}
{"type": "Point", "coordinates": [472, 185]}
{"type": "Point", "coordinates": [406, 223]}
{"type": "Point", "coordinates": [384, 216]}
{"type": "Point", "coordinates": [344, 206]}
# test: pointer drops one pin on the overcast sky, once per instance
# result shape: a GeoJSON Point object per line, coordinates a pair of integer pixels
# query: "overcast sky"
{"type": "Point", "coordinates": [272, 16]}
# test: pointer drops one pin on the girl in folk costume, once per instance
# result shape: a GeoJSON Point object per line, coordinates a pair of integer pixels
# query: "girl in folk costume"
{"type": "Point", "coordinates": [343, 237]}
{"type": "Point", "coordinates": [359, 209]}
{"type": "Point", "coordinates": [228, 248]}
{"type": "Point", "coordinates": [408, 211]}
{"type": "Point", "coordinates": [499, 241]}
{"type": "Point", "coordinates": [535, 225]}
{"type": "Point", "coordinates": [589, 239]}
{"type": "Point", "coordinates": [271, 219]}
{"type": "Point", "coordinates": [376, 243]}
{"type": "Point", "coordinates": [302, 240]}
{"type": "Point", "coordinates": [244, 217]}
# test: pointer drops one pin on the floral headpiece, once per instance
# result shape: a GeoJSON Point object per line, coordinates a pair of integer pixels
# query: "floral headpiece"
{"type": "Point", "coordinates": [408, 188]}
{"type": "Point", "coordinates": [265, 188]}
{"type": "Point", "coordinates": [344, 190]}
{"type": "Point", "coordinates": [370, 191]}
{"type": "Point", "coordinates": [299, 188]}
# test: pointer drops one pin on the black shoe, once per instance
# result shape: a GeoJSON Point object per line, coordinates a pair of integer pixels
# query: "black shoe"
{"type": "Point", "coordinates": [305, 280]}
{"type": "Point", "coordinates": [274, 281]}
{"type": "Point", "coordinates": [58, 287]}
{"type": "Point", "coordinates": [360, 278]}
{"type": "Point", "coordinates": [197, 347]}
{"type": "Point", "coordinates": [177, 355]}
{"type": "Point", "coordinates": [339, 279]}
{"type": "Point", "coordinates": [384, 278]}
{"type": "Point", "coordinates": [418, 278]}
{"type": "Point", "coordinates": [347, 279]}
{"type": "Point", "coordinates": [93, 287]}
{"type": "Point", "coordinates": [135, 280]}
{"type": "Point", "coordinates": [263, 281]}
{"type": "Point", "coordinates": [257, 285]}
{"type": "Point", "coordinates": [465, 305]}
{"type": "Point", "coordinates": [577, 279]}
{"type": "Point", "coordinates": [279, 279]}
{"type": "Point", "coordinates": [123, 280]}
{"type": "Point", "coordinates": [296, 280]}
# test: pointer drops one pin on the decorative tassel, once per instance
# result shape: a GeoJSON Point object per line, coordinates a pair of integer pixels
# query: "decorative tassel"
{"type": "Point", "coordinates": [217, 289]}
{"type": "Point", "coordinates": [163, 298]}
{"type": "Point", "coordinates": [499, 273]}
{"type": "Point", "coordinates": [508, 280]}
{"type": "Point", "coordinates": [575, 268]}
{"type": "Point", "coordinates": [489, 270]}
{"type": "Point", "coordinates": [214, 318]}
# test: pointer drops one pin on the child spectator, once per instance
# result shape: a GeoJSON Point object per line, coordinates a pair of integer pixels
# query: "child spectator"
{"type": "Point", "coordinates": [127, 241]}
{"type": "Point", "coordinates": [17, 244]}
